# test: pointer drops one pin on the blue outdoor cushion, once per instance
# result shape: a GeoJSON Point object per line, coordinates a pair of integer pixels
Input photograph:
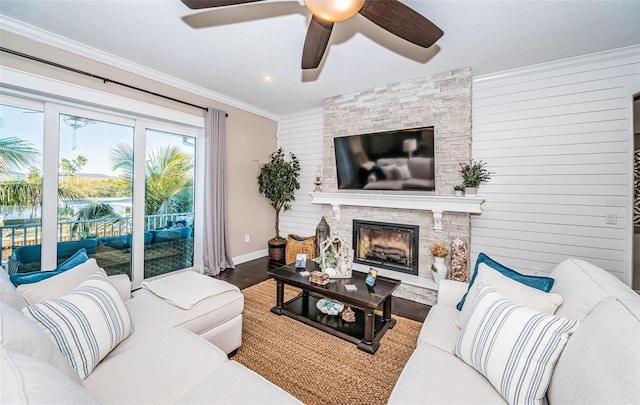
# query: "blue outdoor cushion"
{"type": "Point", "coordinates": [165, 235]}
{"type": "Point", "coordinates": [67, 249]}
{"type": "Point", "coordinates": [28, 254]}
{"type": "Point", "coordinates": [117, 242]}
{"type": "Point", "coordinates": [77, 258]}
{"type": "Point", "coordinates": [123, 241]}
{"type": "Point", "coordinates": [540, 283]}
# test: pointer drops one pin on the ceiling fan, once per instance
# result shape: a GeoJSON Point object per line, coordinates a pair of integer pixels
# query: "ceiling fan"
{"type": "Point", "coordinates": [391, 15]}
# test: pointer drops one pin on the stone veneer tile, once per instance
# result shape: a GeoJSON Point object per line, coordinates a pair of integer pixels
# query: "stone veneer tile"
{"type": "Point", "coordinates": [442, 101]}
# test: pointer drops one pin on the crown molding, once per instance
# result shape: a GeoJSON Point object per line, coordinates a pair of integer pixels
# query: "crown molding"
{"type": "Point", "coordinates": [66, 44]}
{"type": "Point", "coordinates": [612, 54]}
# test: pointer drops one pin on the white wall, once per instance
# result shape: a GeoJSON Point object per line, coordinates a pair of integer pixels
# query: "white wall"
{"type": "Point", "coordinates": [559, 138]}
{"type": "Point", "coordinates": [301, 134]}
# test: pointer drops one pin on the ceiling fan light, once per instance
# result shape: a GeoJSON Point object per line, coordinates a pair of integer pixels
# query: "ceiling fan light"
{"type": "Point", "coordinates": [334, 10]}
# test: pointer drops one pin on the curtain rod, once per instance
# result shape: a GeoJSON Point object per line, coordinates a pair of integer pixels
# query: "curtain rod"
{"type": "Point", "coordinates": [105, 80]}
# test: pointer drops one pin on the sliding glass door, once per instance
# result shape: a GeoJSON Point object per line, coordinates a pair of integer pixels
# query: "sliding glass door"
{"type": "Point", "coordinates": [119, 187]}
{"type": "Point", "coordinates": [95, 160]}
{"type": "Point", "coordinates": [21, 150]}
{"type": "Point", "coordinates": [169, 202]}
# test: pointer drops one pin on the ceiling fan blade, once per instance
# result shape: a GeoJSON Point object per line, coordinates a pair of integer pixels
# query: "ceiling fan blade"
{"type": "Point", "coordinates": [402, 21]}
{"type": "Point", "coordinates": [198, 4]}
{"type": "Point", "coordinates": [316, 42]}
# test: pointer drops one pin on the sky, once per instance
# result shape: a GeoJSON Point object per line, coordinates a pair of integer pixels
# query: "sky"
{"type": "Point", "coordinates": [93, 141]}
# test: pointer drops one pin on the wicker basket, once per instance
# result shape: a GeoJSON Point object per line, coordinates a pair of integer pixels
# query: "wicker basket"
{"type": "Point", "coordinates": [300, 244]}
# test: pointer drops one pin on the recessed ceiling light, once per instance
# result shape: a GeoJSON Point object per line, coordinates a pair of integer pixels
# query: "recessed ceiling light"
{"type": "Point", "coordinates": [268, 79]}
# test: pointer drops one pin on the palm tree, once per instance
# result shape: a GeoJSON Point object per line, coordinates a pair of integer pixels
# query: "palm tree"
{"type": "Point", "coordinates": [79, 162]}
{"type": "Point", "coordinates": [121, 157]}
{"type": "Point", "coordinates": [169, 171]}
{"type": "Point", "coordinates": [16, 153]}
{"type": "Point", "coordinates": [92, 211]}
{"type": "Point", "coordinates": [21, 194]}
{"type": "Point", "coordinates": [68, 168]}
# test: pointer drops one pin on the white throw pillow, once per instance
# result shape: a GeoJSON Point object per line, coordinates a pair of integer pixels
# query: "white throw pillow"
{"type": "Point", "coordinates": [86, 324]}
{"type": "Point", "coordinates": [514, 347]}
{"type": "Point", "coordinates": [515, 291]}
{"type": "Point", "coordinates": [402, 172]}
{"type": "Point", "coordinates": [59, 285]}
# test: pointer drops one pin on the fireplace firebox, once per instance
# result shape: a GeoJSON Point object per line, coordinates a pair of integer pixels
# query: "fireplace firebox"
{"type": "Point", "coordinates": [386, 245]}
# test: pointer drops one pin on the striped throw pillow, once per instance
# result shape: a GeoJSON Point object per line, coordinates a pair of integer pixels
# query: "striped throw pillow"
{"type": "Point", "coordinates": [514, 347]}
{"type": "Point", "coordinates": [86, 324]}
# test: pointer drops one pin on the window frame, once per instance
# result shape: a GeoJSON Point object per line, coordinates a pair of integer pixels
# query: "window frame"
{"type": "Point", "coordinates": [56, 97]}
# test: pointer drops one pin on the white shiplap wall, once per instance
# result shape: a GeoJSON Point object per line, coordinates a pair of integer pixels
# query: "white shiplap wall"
{"type": "Point", "coordinates": [301, 134]}
{"type": "Point", "coordinates": [559, 138]}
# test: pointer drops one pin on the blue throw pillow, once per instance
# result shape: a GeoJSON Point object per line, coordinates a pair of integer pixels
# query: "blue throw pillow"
{"type": "Point", "coordinates": [540, 283]}
{"type": "Point", "coordinates": [78, 257]}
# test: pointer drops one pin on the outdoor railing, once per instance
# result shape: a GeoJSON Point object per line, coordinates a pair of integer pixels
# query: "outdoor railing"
{"type": "Point", "coordinates": [30, 234]}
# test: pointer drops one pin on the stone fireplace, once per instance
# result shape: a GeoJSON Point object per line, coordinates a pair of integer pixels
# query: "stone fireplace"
{"type": "Point", "coordinates": [441, 101]}
{"type": "Point", "coordinates": [386, 245]}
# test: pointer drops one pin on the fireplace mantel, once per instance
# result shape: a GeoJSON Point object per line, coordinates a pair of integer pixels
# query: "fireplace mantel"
{"type": "Point", "coordinates": [435, 204]}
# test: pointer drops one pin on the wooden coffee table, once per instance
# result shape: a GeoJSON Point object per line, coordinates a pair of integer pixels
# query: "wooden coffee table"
{"type": "Point", "coordinates": [368, 328]}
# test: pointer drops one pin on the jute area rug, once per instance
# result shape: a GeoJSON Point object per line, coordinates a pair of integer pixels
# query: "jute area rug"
{"type": "Point", "coordinates": [313, 366]}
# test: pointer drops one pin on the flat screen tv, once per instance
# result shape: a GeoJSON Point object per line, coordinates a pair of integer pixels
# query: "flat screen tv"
{"type": "Point", "coordinates": [393, 160]}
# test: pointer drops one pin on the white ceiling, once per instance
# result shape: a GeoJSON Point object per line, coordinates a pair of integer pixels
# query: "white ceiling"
{"type": "Point", "coordinates": [228, 50]}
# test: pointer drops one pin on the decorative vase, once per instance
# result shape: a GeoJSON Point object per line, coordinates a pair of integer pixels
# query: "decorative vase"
{"type": "Point", "coordinates": [459, 260]}
{"type": "Point", "coordinates": [471, 191]}
{"type": "Point", "coordinates": [277, 248]}
{"type": "Point", "coordinates": [439, 269]}
{"type": "Point", "coordinates": [459, 193]}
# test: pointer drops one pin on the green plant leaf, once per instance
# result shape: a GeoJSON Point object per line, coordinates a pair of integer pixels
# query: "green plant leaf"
{"type": "Point", "coordinates": [278, 181]}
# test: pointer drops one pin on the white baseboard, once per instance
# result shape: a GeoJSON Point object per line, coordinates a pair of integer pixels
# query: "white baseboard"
{"type": "Point", "coordinates": [250, 256]}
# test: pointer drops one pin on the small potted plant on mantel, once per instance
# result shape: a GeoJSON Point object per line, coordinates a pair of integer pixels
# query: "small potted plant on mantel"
{"type": "Point", "coordinates": [278, 181]}
{"type": "Point", "coordinates": [473, 175]}
{"type": "Point", "coordinates": [459, 190]}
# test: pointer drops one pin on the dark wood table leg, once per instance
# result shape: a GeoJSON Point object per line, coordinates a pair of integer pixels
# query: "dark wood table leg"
{"type": "Point", "coordinates": [386, 313]}
{"type": "Point", "coordinates": [279, 298]}
{"type": "Point", "coordinates": [305, 302]}
{"type": "Point", "coordinates": [368, 344]}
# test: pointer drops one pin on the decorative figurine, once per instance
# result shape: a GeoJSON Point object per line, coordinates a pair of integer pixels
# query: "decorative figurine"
{"type": "Point", "coordinates": [336, 257]}
{"type": "Point", "coordinates": [348, 315]}
{"type": "Point", "coordinates": [371, 277]}
{"type": "Point", "coordinates": [318, 180]}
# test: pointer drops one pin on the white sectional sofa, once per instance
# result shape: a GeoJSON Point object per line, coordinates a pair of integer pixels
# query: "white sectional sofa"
{"type": "Point", "coordinates": [600, 363]}
{"type": "Point", "coordinates": [168, 358]}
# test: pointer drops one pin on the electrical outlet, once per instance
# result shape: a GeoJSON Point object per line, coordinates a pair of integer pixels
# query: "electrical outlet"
{"type": "Point", "coordinates": [611, 218]}
{"type": "Point", "coordinates": [247, 238]}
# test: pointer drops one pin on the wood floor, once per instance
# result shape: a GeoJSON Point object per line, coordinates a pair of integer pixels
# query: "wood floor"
{"type": "Point", "coordinates": [254, 272]}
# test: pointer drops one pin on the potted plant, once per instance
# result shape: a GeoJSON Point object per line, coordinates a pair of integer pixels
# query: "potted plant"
{"type": "Point", "coordinates": [278, 181]}
{"type": "Point", "coordinates": [473, 175]}
{"type": "Point", "coordinates": [459, 189]}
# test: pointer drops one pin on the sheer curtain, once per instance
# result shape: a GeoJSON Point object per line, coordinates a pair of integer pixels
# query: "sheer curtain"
{"type": "Point", "coordinates": [216, 256]}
